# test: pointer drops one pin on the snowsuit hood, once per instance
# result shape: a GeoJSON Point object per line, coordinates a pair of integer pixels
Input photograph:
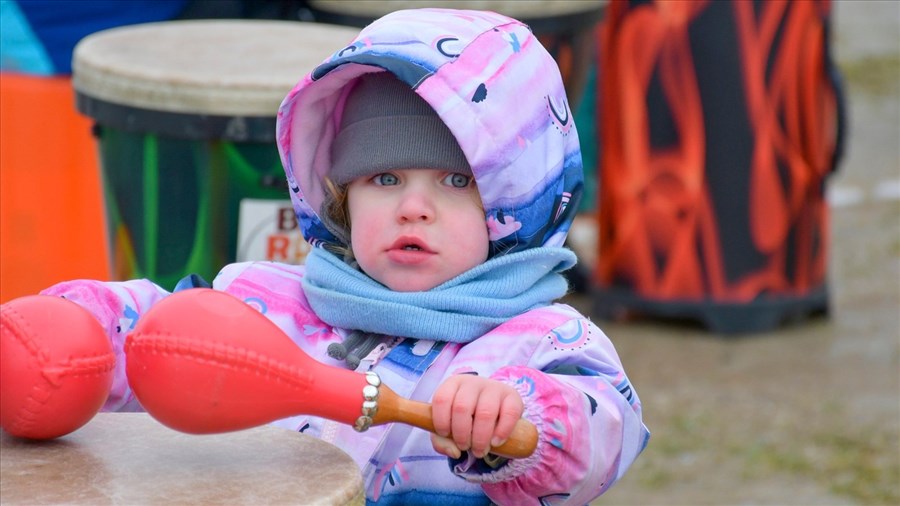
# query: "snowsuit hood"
{"type": "Point", "coordinates": [494, 86]}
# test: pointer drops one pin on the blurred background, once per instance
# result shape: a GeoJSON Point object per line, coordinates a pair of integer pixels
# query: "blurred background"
{"type": "Point", "coordinates": [751, 284]}
{"type": "Point", "coordinates": [808, 413]}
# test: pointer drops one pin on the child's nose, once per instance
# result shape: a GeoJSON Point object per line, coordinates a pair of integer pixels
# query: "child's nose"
{"type": "Point", "coordinates": [415, 205]}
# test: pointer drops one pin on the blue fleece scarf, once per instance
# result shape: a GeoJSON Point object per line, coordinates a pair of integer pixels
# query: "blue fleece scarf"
{"type": "Point", "coordinates": [459, 310]}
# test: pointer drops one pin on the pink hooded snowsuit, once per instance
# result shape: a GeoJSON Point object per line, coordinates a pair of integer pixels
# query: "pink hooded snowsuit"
{"type": "Point", "coordinates": [501, 95]}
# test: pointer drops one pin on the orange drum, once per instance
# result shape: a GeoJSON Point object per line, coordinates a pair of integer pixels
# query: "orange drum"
{"type": "Point", "coordinates": [51, 205]}
{"type": "Point", "coordinates": [721, 124]}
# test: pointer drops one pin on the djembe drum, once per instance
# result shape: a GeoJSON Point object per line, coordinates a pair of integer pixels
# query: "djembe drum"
{"type": "Point", "coordinates": [129, 458]}
{"type": "Point", "coordinates": [721, 124]}
{"type": "Point", "coordinates": [185, 122]}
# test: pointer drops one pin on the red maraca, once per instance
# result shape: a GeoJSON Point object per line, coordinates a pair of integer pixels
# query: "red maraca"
{"type": "Point", "coordinates": [202, 361]}
{"type": "Point", "coordinates": [56, 366]}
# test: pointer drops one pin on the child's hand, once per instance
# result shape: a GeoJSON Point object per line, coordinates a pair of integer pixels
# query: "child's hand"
{"type": "Point", "coordinates": [475, 413]}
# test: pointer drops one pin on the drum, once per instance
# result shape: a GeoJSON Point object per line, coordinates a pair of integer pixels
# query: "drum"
{"type": "Point", "coordinates": [129, 458]}
{"type": "Point", "coordinates": [51, 210]}
{"type": "Point", "coordinates": [184, 116]}
{"type": "Point", "coordinates": [716, 153]}
{"type": "Point", "coordinates": [564, 27]}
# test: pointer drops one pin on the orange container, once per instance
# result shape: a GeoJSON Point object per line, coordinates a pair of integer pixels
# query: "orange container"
{"type": "Point", "coordinates": [51, 205]}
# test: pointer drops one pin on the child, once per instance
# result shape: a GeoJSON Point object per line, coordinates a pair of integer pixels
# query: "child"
{"type": "Point", "coordinates": [434, 165]}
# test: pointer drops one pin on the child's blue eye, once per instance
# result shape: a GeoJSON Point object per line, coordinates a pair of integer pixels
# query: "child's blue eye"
{"type": "Point", "coordinates": [458, 180]}
{"type": "Point", "coordinates": [385, 179]}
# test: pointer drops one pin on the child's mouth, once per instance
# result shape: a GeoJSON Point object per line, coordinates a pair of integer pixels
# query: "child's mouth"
{"type": "Point", "coordinates": [410, 244]}
{"type": "Point", "coordinates": [411, 254]}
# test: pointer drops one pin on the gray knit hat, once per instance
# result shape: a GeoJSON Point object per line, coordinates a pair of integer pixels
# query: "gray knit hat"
{"type": "Point", "coordinates": [387, 126]}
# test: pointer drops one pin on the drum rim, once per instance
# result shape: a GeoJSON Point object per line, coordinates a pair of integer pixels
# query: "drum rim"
{"type": "Point", "coordinates": [181, 125]}
{"type": "Point", "coordinates": [555, 24]}
{"type": "Point", "coordinates": [115, 65]}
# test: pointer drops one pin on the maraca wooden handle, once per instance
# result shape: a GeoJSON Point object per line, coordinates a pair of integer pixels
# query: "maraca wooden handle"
{"type": "Point", "coordinates": [393, 408]}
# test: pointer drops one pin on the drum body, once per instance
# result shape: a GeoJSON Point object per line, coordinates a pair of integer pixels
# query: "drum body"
{"type": "Point", "coordinates": [51, 212]}
{"type": "Point", "coordinates": [184, 117]}
{"type": "Point", "coordinates": [721, 123]}
{"type": "Point", "coordinates": [173, 204]}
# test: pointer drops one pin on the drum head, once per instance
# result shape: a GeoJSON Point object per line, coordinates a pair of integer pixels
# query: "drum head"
{"type": "Point", "coordinates": [217, 67]}
{"type": "Point", "coordinates": [129, 458]}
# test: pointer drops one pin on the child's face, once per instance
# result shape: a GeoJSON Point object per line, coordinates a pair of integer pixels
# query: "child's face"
{"type": "Point", "coordinates": [414, 229]}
